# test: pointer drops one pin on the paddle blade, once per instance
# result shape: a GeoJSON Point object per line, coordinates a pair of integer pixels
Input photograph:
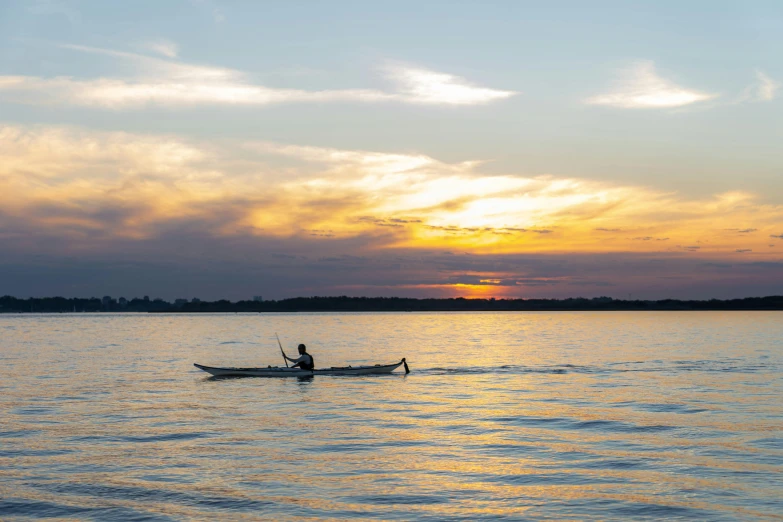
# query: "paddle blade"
{"type": "Point", "coordinates": [405, 365]}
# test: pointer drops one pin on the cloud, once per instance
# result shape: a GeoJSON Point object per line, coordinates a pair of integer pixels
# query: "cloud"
{"type": "Point", "coordinates": [765, 89]}
{"type": "Point", "coordinates": [742, 230]}
{"type": "Point", "coordinates": [165, 48]}
{"type": "Point", "coordinates": [188, 263]}
{"type": "Point", "coordinates": [779, 236]}
{"type": "Point", "coordinates": [169, 83]}
{"type": "Point", "coordinates": [742, 250]}
{"type": "Point", "coordinates": [649, 238]}
{"type": "Point", "coordinates": [453, 196]}
{"type": "Point", "coordinates": [418, 85]}
{"type": "Point", "coordinates": [201, 86]}
{"type": "Point", "coordinates": [371, 162]}
{"type": "Point", "coordinates": [110, 93]}
{"type": "Point", "coordinates": [641, 88]}
{"type": "Point", "coordinates": [89, 186]}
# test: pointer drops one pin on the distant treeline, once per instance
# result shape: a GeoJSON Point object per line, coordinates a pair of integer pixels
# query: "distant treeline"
{"type": "Point", "coordinates": [10, 304]}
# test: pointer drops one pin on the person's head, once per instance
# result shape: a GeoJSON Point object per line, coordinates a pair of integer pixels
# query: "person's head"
{"type": "Point", "coordinates": [302, 348]}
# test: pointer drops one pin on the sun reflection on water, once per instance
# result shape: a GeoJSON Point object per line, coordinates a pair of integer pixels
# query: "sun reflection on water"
{"type": "Point", "coordinates": [535, 416]}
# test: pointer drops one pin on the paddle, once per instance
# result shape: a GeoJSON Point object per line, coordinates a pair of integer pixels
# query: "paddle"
{"type": "Point", "coordinates": [281, 350]}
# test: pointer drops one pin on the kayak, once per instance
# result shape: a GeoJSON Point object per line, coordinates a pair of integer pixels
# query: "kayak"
{"type": "Point", "coordinates": [276, 371]}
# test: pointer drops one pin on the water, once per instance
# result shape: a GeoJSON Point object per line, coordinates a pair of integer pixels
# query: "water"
{"type": "Point", "coordinates": [512, 416]}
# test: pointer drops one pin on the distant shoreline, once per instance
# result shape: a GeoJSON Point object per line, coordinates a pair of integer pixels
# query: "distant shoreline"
{"type": "Point", "coordinates": [13, 305]}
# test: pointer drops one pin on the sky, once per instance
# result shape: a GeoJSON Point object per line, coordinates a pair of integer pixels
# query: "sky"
{"type": "Point", "coordinates": [228, 149]}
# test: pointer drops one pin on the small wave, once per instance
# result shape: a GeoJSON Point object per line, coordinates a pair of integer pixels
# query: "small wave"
{"type": "Point", "coordinates": [167, 437]}
{"type": "Point", "coordinates": [575, 424]}
{"type": "Point", "coordinates": [40, 509]}
{"type": "Point", "coordinates": [148, 438]}
{"type": "Point", "coordinates": [14, 434]}
{"type": "Point", "coordinates": [707, 366]}
{"type": "Point", "coordinates": [510, 369]}
{"type": "Point", "coordinates": [549, 479]}
{"type": "Point", "coordinates": [771, 443]}
{"type": "Point", "coordinates": [34, 410]}
{"type": "Point", "coordinates": [731, 365]}
{"type": "Point", "coordinates": [639, 510]}
{"type": "Point", "coordinates": [21, 508]}
{"type": "Point", "coordinates": [660, 408]}
{"type": "Point", "coordinates": [399, 499]}
{"type": "Point", "coordinates": [341, 448]}
{"type": "Point", "coordinates": [156, 495]}
{"type": "Point", "coordinates": [612, 464]}
{"type": "Point", "coordinates": [175, 479]}
{"type": "Point", "coordinates": [33, 453]}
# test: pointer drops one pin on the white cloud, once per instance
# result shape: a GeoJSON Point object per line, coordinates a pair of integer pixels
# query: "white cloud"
{"type": "Point", "coordinates": [641, 87]}
{"type": "Point", "coordinates": [765, 89]}
{"type": "Point", "coordinates": [371, 162]}
{"type": "Point", "coordinates": [165, 48]}
{"type": "Point", "coordinates": [170, 83]}
{"type": "Point", "coordinates": [419, 85]}
{"type": "Point", "coordinates": [111, 93]}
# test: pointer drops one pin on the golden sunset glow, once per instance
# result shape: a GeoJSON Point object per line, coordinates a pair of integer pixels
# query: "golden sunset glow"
{"type": "Point", "coordinates": [405, 201]}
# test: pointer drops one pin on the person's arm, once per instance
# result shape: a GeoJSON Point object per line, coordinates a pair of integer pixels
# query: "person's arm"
{"type": "Point", "coordinates": [300, 363]}
{"type": "Point", "coordinates": [296, 361]}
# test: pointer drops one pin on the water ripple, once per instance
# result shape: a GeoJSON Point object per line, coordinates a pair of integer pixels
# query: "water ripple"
{"type": "Point", "coordinates": [511, 416]}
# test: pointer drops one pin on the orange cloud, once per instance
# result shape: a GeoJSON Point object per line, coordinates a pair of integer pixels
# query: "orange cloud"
{"type": "Point", "coordinates": [77, 182]}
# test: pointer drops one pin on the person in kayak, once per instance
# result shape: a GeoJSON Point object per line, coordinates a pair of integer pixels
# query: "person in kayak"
{"type": "Point", "coordinates": [305, 360]}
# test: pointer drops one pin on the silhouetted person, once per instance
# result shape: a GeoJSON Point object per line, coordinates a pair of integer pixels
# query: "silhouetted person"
{"type": "Point", "coordinates": [305, 360]}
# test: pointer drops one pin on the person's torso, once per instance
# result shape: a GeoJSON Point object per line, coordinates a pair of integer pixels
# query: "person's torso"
{"type": "Point", "coordinates": [306, 361]}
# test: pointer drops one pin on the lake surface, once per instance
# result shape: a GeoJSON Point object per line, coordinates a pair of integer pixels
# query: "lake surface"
{"type": "Point", "coordinates": [512, 416]}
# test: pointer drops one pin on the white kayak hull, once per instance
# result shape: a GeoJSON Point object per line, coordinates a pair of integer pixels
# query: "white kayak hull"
{"type": "Point", "coordinates": [275, 371]}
